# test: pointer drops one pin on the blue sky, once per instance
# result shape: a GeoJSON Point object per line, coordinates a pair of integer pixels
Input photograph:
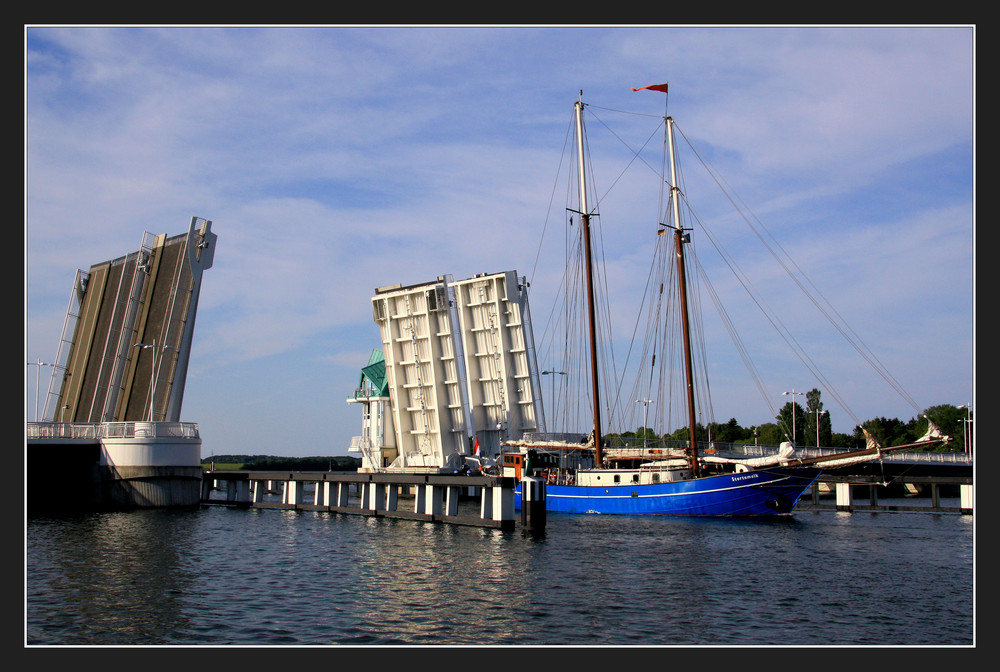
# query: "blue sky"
{"type": "Point", "coordinates": [332, 160]}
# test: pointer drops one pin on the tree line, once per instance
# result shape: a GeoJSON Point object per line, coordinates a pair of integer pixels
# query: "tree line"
{"type": "Point", "coordinates": [279, 463]}
{"type": "Point", "coordinates": [813, 427]}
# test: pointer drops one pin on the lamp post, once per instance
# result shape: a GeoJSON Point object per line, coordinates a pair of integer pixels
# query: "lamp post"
{"type": "Point", "coordinates": [153, 370]}
{"type": "Point", "coordinates": [645, 415]}
{"type": "Point", "coordinates": [793, 393]}
{"type": "Point", "coordinates": [553, 374]}
{"type": "Point", "coordinates": [818, 413]}
{"type": "Point", "coordinates": [967, 428]}
{"type": "Point", "coordinates": [39, 364]}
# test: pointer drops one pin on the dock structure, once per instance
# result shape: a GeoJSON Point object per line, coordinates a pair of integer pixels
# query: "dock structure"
{"type": "Point", "coordinates": [845, 487]}
{"type": "Point", "coordinates": [438, 498]}
{"type": "Point", "coordinates": [919, 476]}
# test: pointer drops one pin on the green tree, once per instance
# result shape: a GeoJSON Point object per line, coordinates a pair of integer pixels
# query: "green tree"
{"type": "Point", "coordinates": [791, 419]}
{"type": "Point", "coordinates": [841, 440]}
{"type": "Point", "coordinates": [770, 434]}
{"type": "Point", "coordinates": [815, 414]}
{"type": "Point", "coordinates": [894, 432]}
{"type": "Point", "coordinates": [951, 420]}
{"type": "Point", "coordinates": [730, 432]}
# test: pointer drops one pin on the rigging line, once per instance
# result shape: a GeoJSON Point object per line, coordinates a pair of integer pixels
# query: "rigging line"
{"type": "Point", "coordinates": [635, 330]}
{"type": "Point", "coordinates": [551, 319]}
{"type": "Point", "coordinates": [842, 327]}
{"type": "Point", "coordinates": [608, 369]}
{"type": "Point", "coordinates": [653, 328]}
{"type": "Point", "coordinates": [786, 333]}
{"type": "Point", "coordinates": [636, 154]}
{"type": "Point", "coordinates": [737, 341]}
{"type": "Point", "coordinates": [630, 113]}
{"type": "Point", "coordinates": [776, 322]}
{"type": "Point", "coordinates": [810, 366]}
{"type": "Point", "coordinates": [617, 408]}
{"type": "Point", "coordinates": [616, 404]}
{"type": "Point", "coordinates": [670, 339]}
{"type": "Point", "coordinates": [652, 336]}
{"type": "Point", "coordinates": [651, 339]}
{"type": "Point", "coordinates": [701, 361]}
{"type": "Point", "coordinates": [768, 312]}
{"type": "Point", "coordinates": [548, 212]}
{"type": "Point", "coordinates": [605, 334]}
{"type": "Point", "coordinates": [574, 335]}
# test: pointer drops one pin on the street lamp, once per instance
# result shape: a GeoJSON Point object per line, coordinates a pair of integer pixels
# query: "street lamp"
{"type": "Point", "coordinates": [967, 427]}
{"type": "Point", "coordinates": [39, 364]}
{"type": "Point", "coordinates": [818, 413]}
{"type": "Point", "coordinates": [553, 374]}
{"type": "Point", "coordinates": [153, 370]}
{"type": "Point", "coordinates": [645, 414]}
{"type": "Point", "coordinates": [793, 393]}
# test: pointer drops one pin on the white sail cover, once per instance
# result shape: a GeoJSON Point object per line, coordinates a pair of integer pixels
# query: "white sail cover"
{"type": "Point", "coordinates": [786, 453]}
{"type": "Point", "coordinates": [933, 433]}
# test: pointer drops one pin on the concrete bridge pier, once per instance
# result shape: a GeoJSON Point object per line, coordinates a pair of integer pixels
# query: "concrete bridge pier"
{"type": "Point", "coordinates": [966, 497]}
{"type": "Point", "coordinates": [496, 504]}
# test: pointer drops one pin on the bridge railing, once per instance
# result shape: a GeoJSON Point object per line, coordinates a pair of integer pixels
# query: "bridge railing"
{"type": "Point", "coordinates": [111, 430]}
{"type": "Point", "coordinates": [927, 456]}
{"type": "Point", "coordinates": [635, 447]}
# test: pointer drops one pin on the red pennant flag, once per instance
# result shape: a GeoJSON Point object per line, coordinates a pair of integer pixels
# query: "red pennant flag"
{"type": "Point", "coordinates": [475, 450]}
{"type": "Point", "coordinates": [652, 87]}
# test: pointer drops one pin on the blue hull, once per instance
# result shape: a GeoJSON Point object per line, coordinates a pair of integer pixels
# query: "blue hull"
{"type": "Point", "coordinates": [763, 492]}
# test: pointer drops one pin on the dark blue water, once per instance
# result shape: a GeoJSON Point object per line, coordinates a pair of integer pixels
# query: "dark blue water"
{"type": "Point", "coordinates": [221, 576]}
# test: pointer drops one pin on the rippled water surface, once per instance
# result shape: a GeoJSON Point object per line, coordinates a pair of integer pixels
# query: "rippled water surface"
{"type": "Point", "coordinates": [273, 577]}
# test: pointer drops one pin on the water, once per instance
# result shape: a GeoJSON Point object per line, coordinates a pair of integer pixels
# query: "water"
{"type": "Point", "coordinates": [222, 576]}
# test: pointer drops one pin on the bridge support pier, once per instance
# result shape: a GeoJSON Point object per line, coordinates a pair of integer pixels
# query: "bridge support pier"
{"type": "Point", "coordinates": [965, 493]}
{"type": "Point", "coordinates": [843, 491]}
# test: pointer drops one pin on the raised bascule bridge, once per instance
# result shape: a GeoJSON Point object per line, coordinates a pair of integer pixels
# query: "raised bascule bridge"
{"type": "Point", "coordinates": [110, 433]}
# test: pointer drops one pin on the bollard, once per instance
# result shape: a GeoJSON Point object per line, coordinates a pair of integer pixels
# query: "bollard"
{"type": "Point", "coordinates": [533, 504]}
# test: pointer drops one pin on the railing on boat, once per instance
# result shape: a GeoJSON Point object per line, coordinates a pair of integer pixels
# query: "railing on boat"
{"type": "Point", "coordinates": [618, 447]}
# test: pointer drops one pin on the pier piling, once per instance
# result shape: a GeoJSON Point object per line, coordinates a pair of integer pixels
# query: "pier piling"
{"type": "Point", "coordinates": [435, 497]}
{"type": "Point", "coordinates": [533, 504]}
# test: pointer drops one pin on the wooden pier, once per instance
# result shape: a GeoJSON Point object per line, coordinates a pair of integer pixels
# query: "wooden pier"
{"type": "Point", "coordinates": [410, 496]}
{"type": "Point", "coordinates": [929, 501]}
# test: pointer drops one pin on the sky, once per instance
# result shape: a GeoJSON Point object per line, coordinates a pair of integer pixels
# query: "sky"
{"type": "Point", "coordinates": [332, 160]}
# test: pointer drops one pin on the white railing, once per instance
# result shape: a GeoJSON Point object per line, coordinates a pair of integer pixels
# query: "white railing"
{"type": "Point", "coordinates": [620, 447]}
{"type": "Point", "coordinates": [111, 430]}
{"type": "Point", "coordinates": [928, 456]}
{"type": "Point", "coordinates": [363, 445]}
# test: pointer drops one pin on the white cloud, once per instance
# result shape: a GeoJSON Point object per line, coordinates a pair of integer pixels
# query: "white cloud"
{"type": "Point", "coordinates": [335, 160]}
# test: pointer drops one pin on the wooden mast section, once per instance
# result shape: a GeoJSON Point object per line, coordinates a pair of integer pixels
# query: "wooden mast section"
{"type": "Point", "coordinates": [588, 256]}
{"type": "Point", "coordinates": [682, 288]}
